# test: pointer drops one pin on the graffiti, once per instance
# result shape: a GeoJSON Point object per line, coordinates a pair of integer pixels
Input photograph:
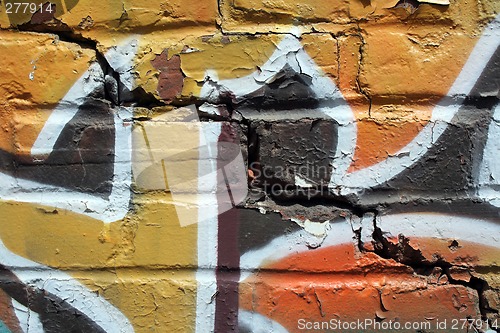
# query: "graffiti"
{"type": "Point", "coordinates": [192, 163]}
{"type": "Point", "coordinates": [446, 156]}
{"type": "Point", "coordinates": [308, 290]}
{"type": "Point", "coordinates": [256, 182]}
{"type": "Point", "coordinates": [47, 300]}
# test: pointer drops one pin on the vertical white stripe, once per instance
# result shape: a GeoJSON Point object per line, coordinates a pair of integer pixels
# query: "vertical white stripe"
{"type": "Point", "coordinates": [207, 232]}
{"type": "Point", "coordinates": [28, 319]}
{"type": "Point", "coordinates": [117, 205]}
{"type": "Point", "coordinates": [489, 173]}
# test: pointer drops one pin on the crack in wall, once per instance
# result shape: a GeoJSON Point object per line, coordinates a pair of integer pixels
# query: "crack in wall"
{"type": "Point", "coordinates": [403, 252]}
{"type": "Point", "coordinates": [359, 85]}
{"type": "Point", "coordinates": [115, 91]}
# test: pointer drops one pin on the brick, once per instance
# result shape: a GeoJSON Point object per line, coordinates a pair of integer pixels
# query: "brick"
{"type": "Point", "coordinates": [38, 69]}
{"type": "Point", "coordinates": [391, 209]}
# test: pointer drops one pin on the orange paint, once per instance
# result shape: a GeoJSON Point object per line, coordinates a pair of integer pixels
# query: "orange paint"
{"type": "Point", "coordinates": [7, 314]}
{"type": "Point", "coordinates": [340, 283]}
{"type": "Point", "coordinates": [376, 141]}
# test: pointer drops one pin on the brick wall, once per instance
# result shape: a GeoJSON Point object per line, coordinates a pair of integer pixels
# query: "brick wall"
{"type": "Point", "coordinates": [249, 166]}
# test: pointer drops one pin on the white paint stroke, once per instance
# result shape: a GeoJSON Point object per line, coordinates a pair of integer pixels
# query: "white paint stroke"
{"type": "Point", "coordinates": [107, 210]}
{"type": "Point", "coordinates": [256, 323]}
{"type": "Point", "coordinates": [29, 321]}
{"type": "Point", "coordinates": [441, 226]}
{"type": "Point", "coordinates": [121, 59]}
{"type": "Point", "coordinates": [442, 114]}
{"type": "Point", "coordinates": [291, 52]}
{"type": "Point", "coordinates": [422, 224]}
{"type": "Point", "coordinates": [489, 172]}
{"type": "Point", "coordinates": [207, 246]}
{"type": "Point", "coordinates": [58, 283]}
{"type": "Point", "coordinates": [116, 206]}
{"type": "Point", "coordinates": [92, 79]}
{"type": "Point", "coordinates": [293, 243]}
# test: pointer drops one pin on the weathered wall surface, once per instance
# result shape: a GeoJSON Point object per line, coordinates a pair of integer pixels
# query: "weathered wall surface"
{"type": "Point", "coordinates": [249, 165]}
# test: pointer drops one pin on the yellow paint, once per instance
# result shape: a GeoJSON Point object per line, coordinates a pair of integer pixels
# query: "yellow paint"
{"type": "Point", "coordinates": [121, 15]}
{"type": "Point", "coordinates": [25, 124]}
{"type": "Point", "coordinates": [230, 57]}
{"type": "Point", "coordinates": [146, 15]}
{"type": "Point", "coordinates": [323, 48]}
{"type": "Point", "coordinates": [151, 243]}
{"type": "Point", "coordinates": [54, 65]}
{"type": "Point", "coordinates": [312, 15]}
{"type": "Point", "coordinates": [4, 18]}
{"type": "Point", "coordinates": [145, 264]}
{"type": "Point", "coordinates": [26, 103]}
{"type": "Point", "coordinates": [154, 300]}
{"type": "Point", "coordinates": [401, 66]}
{"type": "Point", "coordinates": [66, 240]}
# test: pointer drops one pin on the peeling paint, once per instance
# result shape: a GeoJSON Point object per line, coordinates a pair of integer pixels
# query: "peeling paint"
{"type": "Point", "coordinates": [249, 165]}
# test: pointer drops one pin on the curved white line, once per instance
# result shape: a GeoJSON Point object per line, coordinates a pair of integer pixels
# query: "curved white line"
{"type": "Point", "coordinates": [441, 226]}
{"type": "Point", "coordinates": [67, 288]}
{"type": "Point", "coordinates": [291, 52]}
{"type": "Point", "coordinates": [107, 210]}
{"type": "Point", "coordinates": [293, 243]}
{"type": "Point", "coordinates": [120, 58]}
{"type": "Point", "coordinates": [441, 115]}
{"type": "Point", "coordinates": [424, 224]}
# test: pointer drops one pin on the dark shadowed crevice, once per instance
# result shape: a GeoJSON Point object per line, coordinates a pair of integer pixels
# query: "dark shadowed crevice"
{"type": "Point", "coordinates": [115, 90]}
{"type": "Point", "coordinates": [402, 252]}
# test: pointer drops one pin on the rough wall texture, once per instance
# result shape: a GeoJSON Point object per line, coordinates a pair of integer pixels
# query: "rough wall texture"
{"type": "Point", "coordinates": [250, 165]}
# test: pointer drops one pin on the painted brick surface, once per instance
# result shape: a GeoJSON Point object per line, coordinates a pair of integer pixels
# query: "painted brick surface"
{"type": "Point", "coordinates": [250, 166]}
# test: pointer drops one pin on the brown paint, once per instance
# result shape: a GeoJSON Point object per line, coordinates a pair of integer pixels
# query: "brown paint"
{"type": "Point", "coordinates": [171, 78]}
{"type": "Point", "coordinates": [7, 314]}
{"type": "Point", "coordinates": [46, 13]}
{"type": "Point", "coordinates": [228, 261]}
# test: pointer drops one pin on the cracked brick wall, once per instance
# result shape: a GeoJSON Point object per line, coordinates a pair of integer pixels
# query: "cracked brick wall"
{"type": "Point", "coordinates": [250, 166]}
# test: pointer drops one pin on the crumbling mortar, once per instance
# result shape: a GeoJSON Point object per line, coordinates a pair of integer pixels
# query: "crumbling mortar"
{"type": "Point", "coordinates": [360, 68]}
{"type": "Point", "coordinates": [405, 254]}
{"type": "Point", "coordinates": [280, 33]}
{"type": "Point", "coordinates": [338, 57]}
{"type": "Point", "coordinates": [64, 33]}
{"type": "Point", "coordinates": [219, 24]}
